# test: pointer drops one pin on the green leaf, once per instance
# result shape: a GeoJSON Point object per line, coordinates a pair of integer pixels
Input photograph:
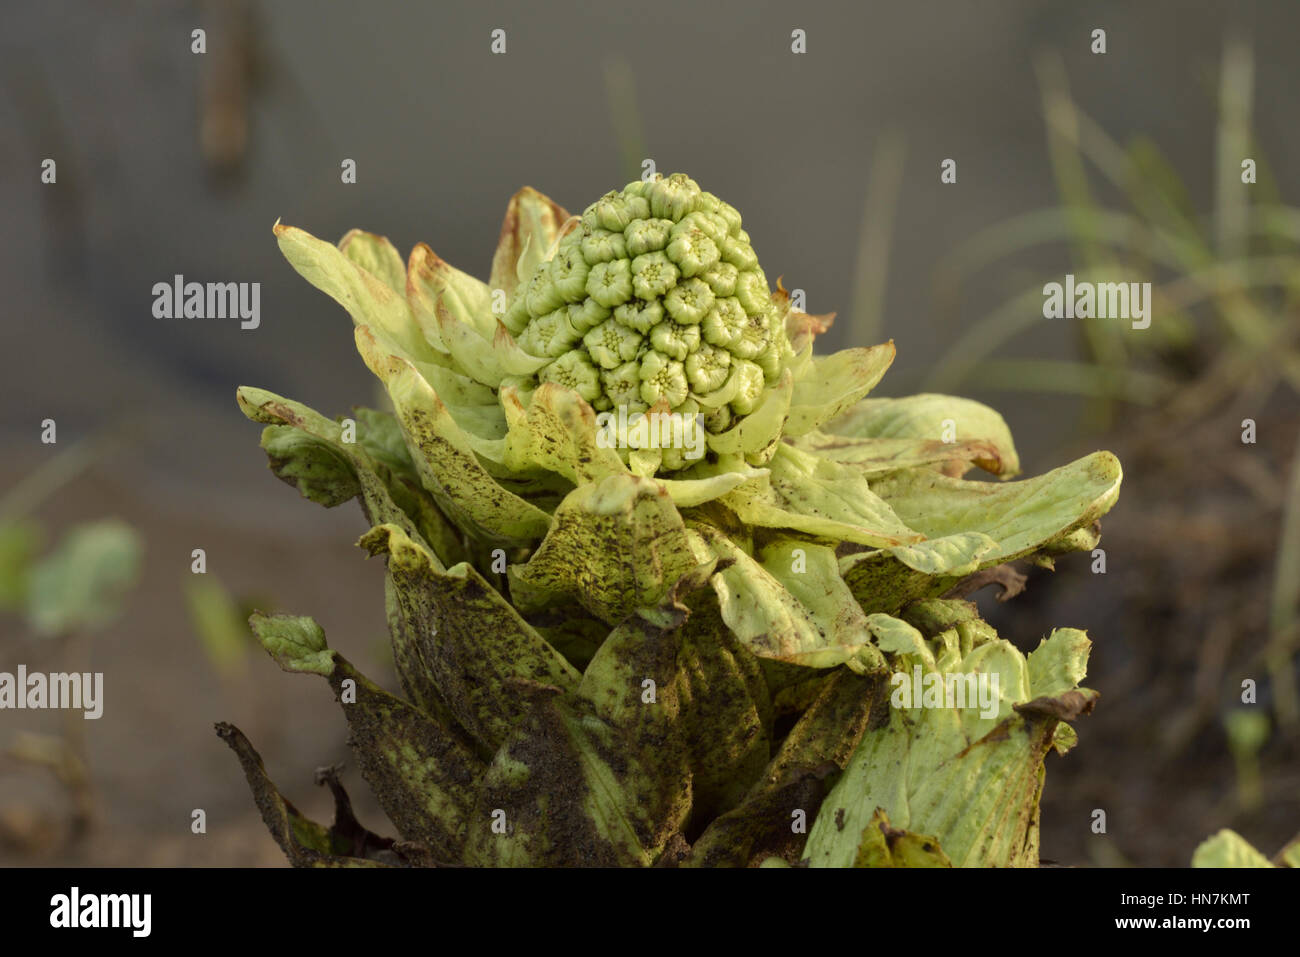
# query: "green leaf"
{"type": "Point", "coordinates": [472, 350]}
{"type": "Point", "coordinates": [369, 300]}
{"type": "Point", "coordinates": [568, 792]}
{"type": "Point", "coordinates": [467, 642]}
{"type": "Point", "coordinates": [886, 846]}
{"type": "Point", "coordinates": [726, 713]}
{"type": "Point", "coordinates": [937, 615]}
{"type": "Point", "coordinates": [532, 223]}
{"type": "Point", "coordinates": [691, 699]}
{"type": "Point", "coordinates": [668, 721]}
{"type": "Point", "coordinates": [873, 457]}
{"type": "Point", "coordinates": [84, 581]}
{"type": "Point", "coordinates": [615, 546]}
{"type": "Point", "coordinates": [882, 583]}
{"type": "Point", "coordinates": [897, 637]}
{"type": "Point", "coordinates": [758, 433]}
{"type": "Point", "coordinates": [380, 436]}
{"type": "Point", "coordinates": [386, 496]}
{"type": "Point", "coordinates": [435, 286]}
{"type": "Point", "coordinates": [421, 771]}
{"type": "Point", "coordinates": [304, 842]}
{"type": "Point", "coordinates": [927, 416]}
{"type": "Point", "coordinates": [970, 778]}
{"type": "Point", "coordinates": [377, 256]}
{"type": "Point", "coordinates": [1019, 516]}
{"type": "Point", "coordinates": [557, 432]}
{"type": "Point", "coordinates": [806, 618]}
{"type": "Point", "coordinates": [836, 383]}
{"type": "Point", "coordinates": [296, 642]}
{"type": "Point", "coordinates": [796, 780]}
{"type": "Point", "coordinates": [815, 495]}
{"type": "Point", "coordinates": [1059, 662]}
{"type": "Point", "coordinates": [690, 492]}
{"type": "Point", "coordinates": [1290, 855]}
{"type": "Point", "coordinates": [445, 457]}
{"type": "Point", "coordinates": [956, 555]}
{"type": "Point", "coordinates": [1228, 849]}
{"type": "Point", "coordinates": [311, 465]}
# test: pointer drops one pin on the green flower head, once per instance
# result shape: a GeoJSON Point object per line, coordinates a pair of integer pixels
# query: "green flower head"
{"type": "Point", "coordinates": [771, 570]}
{"type": "Point", "coordinates": [692, 316]}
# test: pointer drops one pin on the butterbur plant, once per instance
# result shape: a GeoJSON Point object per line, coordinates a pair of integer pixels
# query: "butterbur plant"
{"type": "Point", "coordinates": [615, 649]}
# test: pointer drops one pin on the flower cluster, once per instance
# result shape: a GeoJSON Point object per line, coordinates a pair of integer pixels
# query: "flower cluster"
{"type": "Point", "coordinates": [610, 644]}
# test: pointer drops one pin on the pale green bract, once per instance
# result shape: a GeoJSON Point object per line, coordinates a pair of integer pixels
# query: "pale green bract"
{"type": "Point", "coordinates": [1229, 849]}
{"type": "Point", "coordinates": [630, 653]}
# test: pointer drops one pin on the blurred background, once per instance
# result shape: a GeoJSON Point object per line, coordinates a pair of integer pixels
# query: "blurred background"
{"type": "Point", "coordinates": [1123, 164]}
